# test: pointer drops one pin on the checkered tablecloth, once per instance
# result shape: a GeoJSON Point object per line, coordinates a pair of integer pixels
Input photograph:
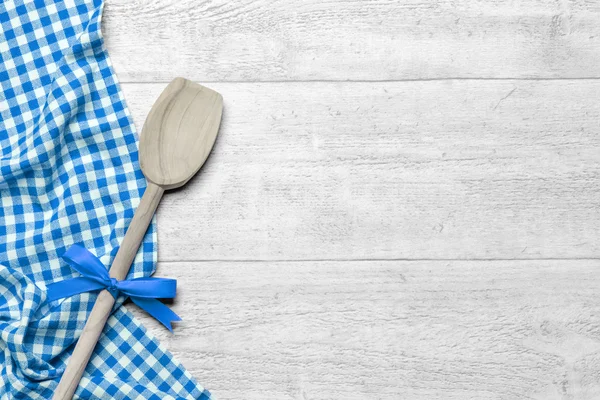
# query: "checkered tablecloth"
{"type": "Point", "coordinates": [68, 174]}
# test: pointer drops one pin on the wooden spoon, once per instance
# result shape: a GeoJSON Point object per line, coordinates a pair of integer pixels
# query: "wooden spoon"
{"type": "Point", "coordinates": [177, 137]}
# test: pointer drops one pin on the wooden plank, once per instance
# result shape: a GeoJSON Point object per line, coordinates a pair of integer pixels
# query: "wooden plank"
{"type": "Point", "coordinates": [406, 170]}
{"type": "Point", "coordinates": [388, 329]}
{"type": "Point", "coordinates": [264, 40]}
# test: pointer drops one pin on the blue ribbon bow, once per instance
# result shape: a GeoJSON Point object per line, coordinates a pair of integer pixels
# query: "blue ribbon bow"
{"type": "Point", "coordinates": [142, 291]}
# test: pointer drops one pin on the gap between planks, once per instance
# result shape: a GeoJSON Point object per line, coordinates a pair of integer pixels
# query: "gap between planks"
{"type": "Point", "coordinates": [590, 78]}
{"type": "Point", "coordinates": [376, 260]}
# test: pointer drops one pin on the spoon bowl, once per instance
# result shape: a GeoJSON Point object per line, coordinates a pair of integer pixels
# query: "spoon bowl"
{"type": "Point", "coordinates": [179, 133]}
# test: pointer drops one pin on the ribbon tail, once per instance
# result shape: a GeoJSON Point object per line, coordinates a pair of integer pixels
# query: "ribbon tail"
{"type": "Point", "coordinates": [71, 287]}
{"type": "Point", "coordinates": [158, 310]}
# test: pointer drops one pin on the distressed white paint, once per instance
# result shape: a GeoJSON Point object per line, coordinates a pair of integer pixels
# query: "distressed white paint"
{"type": "Point", "coordinates": [410, 170]}
{"type": "Point", "coordinates": [220, 40]}
{"type": "Point", "coordinates": [505, 167]}
{"type": "Point", "coordinates": [389, 329]}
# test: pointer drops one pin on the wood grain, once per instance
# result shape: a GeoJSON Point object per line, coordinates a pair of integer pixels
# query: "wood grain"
{"type": "Point", "coordinates": [264, 40]}
{"type": "Point", "coordinates": [404, 170]}
{"type": "Point", "coordinates": [388, 329]}
{"type": "Point", "coordinates": [484, 147]}
{"type": "Point", "coordinates": [179, 133]}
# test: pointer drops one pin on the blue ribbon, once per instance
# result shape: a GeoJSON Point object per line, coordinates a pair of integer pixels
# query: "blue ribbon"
{"type": "Point", "coordinates": [142, 291]}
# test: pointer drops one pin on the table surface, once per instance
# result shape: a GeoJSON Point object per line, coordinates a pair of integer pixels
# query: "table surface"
{"type": "Point", "coordinates": [403, 201]}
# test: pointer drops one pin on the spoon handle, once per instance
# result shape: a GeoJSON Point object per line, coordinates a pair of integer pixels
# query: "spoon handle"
{"type": "Point", "coordinates": [104, 303]}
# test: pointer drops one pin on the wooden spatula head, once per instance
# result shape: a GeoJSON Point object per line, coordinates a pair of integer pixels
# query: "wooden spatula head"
{"type": "Point", "coordinates": [179, 133]}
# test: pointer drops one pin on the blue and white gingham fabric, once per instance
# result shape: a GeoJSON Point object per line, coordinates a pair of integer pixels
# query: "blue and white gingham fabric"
{"type": "Point", "coordinates": [68, 174]}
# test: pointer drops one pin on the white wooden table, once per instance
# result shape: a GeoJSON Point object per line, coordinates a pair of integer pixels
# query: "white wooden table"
{"type": "Point", "coordinates": [403, 201]}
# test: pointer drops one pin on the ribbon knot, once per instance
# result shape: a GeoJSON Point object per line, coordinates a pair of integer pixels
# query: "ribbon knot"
{"type": "Point", "coordinates": [113, 288]}
{"type": "Point", "coordinates": [144, 292]}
